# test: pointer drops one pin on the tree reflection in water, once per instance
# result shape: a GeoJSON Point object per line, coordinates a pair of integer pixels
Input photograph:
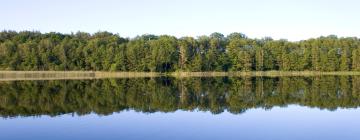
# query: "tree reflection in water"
{"type": "Point", "coordinates": [233, 94]}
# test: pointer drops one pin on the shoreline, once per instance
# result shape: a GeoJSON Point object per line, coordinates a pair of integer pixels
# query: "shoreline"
{"type": "Point", "coordinates": [77, 75]}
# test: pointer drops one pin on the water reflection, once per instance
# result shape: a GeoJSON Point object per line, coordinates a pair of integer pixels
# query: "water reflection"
{"type": "Point", "coordinates": [232, 94]}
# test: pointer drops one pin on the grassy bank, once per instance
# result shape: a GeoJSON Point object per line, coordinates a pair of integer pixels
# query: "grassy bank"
{"type": "Point", "coordinates": [57, 75]}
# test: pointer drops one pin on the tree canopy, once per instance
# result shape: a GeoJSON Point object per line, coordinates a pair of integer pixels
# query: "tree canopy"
{"type": "Point", "coordinates": [105, 51]}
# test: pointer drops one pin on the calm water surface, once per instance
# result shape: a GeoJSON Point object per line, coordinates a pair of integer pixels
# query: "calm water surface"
{"type": "Point", "coordinates": [188, 108]}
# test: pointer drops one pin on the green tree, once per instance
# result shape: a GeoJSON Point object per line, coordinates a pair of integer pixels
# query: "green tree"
{"type": "Point", "coordinates": [163, 54]}
{"type": "Point", "coordinates": [356, 60]}
{"type": "Point", "coordinates": [105, 51]}
{"type": "Point", "coordinates": [259, 58]}
{"type": "Point", "coordinates": [345, 60]}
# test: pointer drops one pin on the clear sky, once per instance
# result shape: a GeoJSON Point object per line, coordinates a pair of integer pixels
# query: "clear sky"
{"type": "Point", "coordinates": [290, 19]}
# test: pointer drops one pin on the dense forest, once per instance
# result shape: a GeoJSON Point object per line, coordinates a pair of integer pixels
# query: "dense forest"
{"type": "Point", "coordinates": [104, 51]}
{"type": "Point", "coordinates": [233, 94]}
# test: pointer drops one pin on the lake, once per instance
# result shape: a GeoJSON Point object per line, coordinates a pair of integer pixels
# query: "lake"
{"type": "Point", "coordinates": [250, 108]}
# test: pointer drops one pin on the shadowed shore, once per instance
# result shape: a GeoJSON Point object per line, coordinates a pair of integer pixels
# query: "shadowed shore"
{"type": "Point", "coordinates": [59, 75]}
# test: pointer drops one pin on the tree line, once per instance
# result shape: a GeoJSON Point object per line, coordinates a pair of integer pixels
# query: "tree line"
{"type": "Point", "coordinates": [105, 51]}
{"type": "Point", "coordinates": [216, 95]}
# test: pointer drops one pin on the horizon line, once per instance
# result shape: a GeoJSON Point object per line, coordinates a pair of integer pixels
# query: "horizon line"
{"type": "Point", "coordinates": [178, 37]}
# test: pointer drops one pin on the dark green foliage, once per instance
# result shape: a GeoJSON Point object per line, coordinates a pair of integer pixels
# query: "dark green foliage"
{"type": "Point", "coordinates": [104, 51]}
{"type": "Point", "coordinates": [233, 94]}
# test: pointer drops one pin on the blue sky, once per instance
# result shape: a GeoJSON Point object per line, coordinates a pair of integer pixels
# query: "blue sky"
{"type": "Point", "coordinates": [290, 19]}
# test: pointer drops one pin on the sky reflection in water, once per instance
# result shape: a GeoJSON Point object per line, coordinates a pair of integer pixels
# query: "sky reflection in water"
{"type": "Point", "coordinates": [293, 122]}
